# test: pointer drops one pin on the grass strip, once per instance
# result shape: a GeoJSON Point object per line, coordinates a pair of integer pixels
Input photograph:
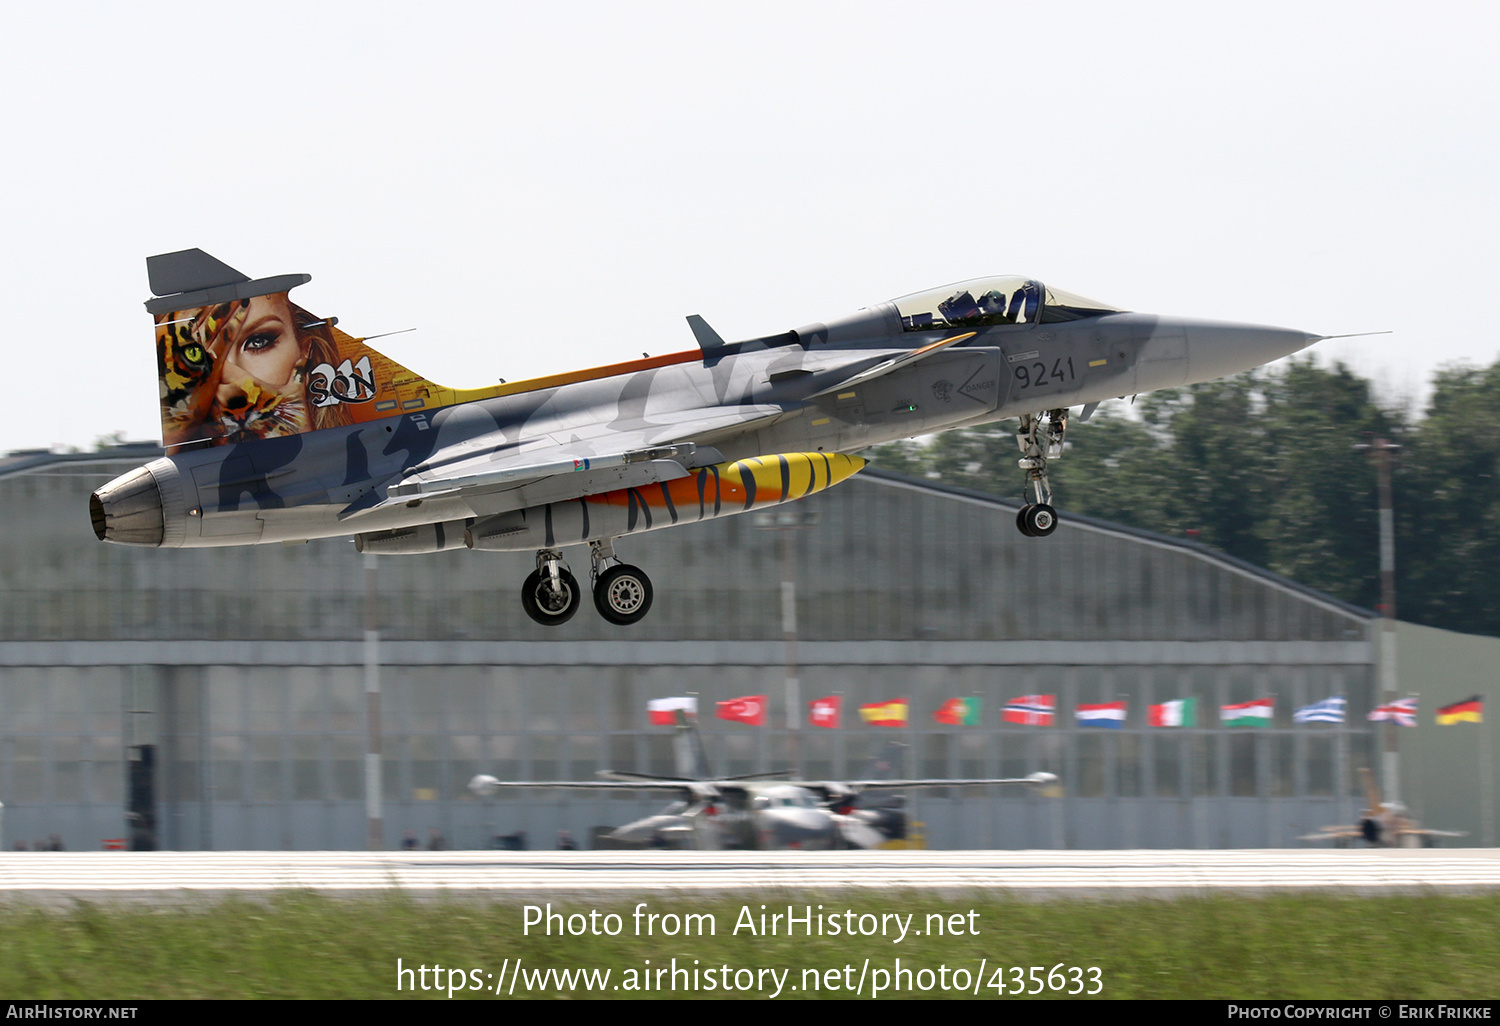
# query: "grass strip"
{"type": "Point", "coordinates": [302, 945]}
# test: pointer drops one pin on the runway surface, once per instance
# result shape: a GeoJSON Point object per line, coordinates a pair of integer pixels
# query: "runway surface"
{"type": "Point", "coordinates": [175, 877]}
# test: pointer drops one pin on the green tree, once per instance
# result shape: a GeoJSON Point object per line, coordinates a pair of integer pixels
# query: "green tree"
{"type": "Point", "coordinates": [1263, 465]}
{"type": "Point", "coordinates": [1448, 507]}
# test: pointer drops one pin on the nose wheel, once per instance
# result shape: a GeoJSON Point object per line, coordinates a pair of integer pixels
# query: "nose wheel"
{"type": "Point", "coordinates": [1040, 439]}
{"type": "Point", "coordinates": [1036, 520]}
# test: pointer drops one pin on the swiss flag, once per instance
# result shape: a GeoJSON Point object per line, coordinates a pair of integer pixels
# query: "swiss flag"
{"type": "Point", "coordinates": [824, 712]}
{"type": "Point", "coordinates": [751, 709]}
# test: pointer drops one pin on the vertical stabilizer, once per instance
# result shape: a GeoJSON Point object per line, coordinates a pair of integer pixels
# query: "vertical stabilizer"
{"type": "Point", "coordinates": [238, 360]}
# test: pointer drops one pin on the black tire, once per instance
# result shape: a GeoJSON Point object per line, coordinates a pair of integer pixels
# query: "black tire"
{"type": "Point", "coordinates": [1041, 520]}
{"type": "Point", "coordinates": [623, 595]}
{"type": "Point", "coordinates": [1021, 519]}
{"type": "Point", "coordinates": [546, 607]}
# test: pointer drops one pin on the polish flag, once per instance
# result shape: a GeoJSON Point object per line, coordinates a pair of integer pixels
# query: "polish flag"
{"type": "Point", "coordinates": [824, 712]}
{"type": "Point", "coordinates": [751, 709]}
{"type": "Point", "coordinates": [662, 712]}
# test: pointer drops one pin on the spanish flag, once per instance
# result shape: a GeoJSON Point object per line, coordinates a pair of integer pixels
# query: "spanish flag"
{"type": "Point", "coordinates": [1470, 710]}
{"type": "Point", "coordinates": [885, 714]}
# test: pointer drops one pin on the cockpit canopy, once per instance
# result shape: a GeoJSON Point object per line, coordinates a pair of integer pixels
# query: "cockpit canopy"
{"type": "Point", "coordinates": [988, 301]}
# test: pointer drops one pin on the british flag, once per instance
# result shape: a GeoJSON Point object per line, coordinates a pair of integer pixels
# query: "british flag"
{"type": "Point", "coordinates": [1031, 710]}
{"type": "Point", "coordinates": [1403, 711]}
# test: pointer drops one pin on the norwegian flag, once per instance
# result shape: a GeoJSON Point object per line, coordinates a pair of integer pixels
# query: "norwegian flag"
{"type": "Point", "coordinates": [1403, 711]}
{"type": "Point", "coordinates": [1032, 710]}
{"type": "Point", "coordinates": [751, 709]}
{"type": "Point", "coordinates": [824, 712]}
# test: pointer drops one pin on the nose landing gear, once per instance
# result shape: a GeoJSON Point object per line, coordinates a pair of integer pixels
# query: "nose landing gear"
{"type": "Point", "coordinates": [1040, 438]}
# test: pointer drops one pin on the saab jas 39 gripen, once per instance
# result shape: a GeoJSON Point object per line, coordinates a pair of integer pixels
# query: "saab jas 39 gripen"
{"type": "Point", "coordinates": [280, 427]}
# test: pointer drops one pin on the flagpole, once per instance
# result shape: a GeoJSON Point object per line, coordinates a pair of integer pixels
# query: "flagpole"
{"type": "Point", "coordinates": [374, 789]}
{"type": "Point", "coordinates": [1381, 449]}
{"type": "Point", "coordinates": [1486, 786]}
{"type": "Point", "coordinates": [784, 521]}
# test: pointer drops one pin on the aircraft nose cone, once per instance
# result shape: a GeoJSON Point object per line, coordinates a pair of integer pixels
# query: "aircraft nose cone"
{"type": "Point", "coordinates": [1217, 349]}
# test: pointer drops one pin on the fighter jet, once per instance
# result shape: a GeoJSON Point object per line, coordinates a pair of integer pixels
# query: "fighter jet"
{"type": "Point", "coordinates": [1383, 824]}
{"type": "Point", "coordinates": [280, 427]}
{"type": "Point", "coordinates": [754, 811]}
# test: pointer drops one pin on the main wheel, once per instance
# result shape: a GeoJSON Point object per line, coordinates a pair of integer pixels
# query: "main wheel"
{"type": "Point", "coordinates": [547, 605]}
{"type": "Point", "coordinates": [1021, 520]}
{"type": "Point", "coordinates": [623, 595]}
{"type": "Point", "coordinates": [1041, 520]}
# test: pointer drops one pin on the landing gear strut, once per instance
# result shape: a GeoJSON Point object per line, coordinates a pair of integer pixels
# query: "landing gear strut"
{"type": "Point", "coordinates": [550, 595]}
{"type": "Point", "coordinates": [622, 593]}
{"type": "Point", "coordinates": [1040, 438]}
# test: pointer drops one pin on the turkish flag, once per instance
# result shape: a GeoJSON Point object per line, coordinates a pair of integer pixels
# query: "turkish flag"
{"type": "Point", "coordinates": [824, 712]}
{"type": "Point", "coordinates": [751, 709]}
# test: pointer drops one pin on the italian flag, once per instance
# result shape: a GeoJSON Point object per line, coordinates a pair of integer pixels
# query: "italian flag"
{"type": "Point", "coordinates": [1248, 714]}
{"type": "Point", "coordinates": [1181, 712]}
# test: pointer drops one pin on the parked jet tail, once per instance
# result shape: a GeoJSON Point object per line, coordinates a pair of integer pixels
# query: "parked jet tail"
{"type": "Point", "coordinates": [238, 360]}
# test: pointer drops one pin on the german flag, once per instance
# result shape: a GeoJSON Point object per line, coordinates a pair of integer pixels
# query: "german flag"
{"type": "Point", "coordinates": [1470, 710]}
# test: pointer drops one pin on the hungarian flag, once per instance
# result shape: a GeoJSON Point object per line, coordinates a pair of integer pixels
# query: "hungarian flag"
{"type": "Point", "coordinates": [1403, 711]}
{"type": "Point", "coordinates": [1110, 714]}
{"type": "Point", "coordinates": [825, 712]}
{"type": "Point", "coordinates": [662, 712]}
{"type": "Point", "coordinates": [1180, 712]}
{"type": "Point", "coordinates": [751, 709]}
{"type": "Point", "coordinates": [1470, 710]}
{"type": "Point", "coordinates": [1248, 714]}
{"type": "Point", "coordinates": [959, 712]}
{"type": "Point", "coordinates": [885, 714]}
{"type": "Point", "coordinates": [1032, 710]}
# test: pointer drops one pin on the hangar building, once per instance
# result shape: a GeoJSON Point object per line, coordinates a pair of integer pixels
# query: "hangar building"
{"type": "Point", "coordinates": [239, 672]}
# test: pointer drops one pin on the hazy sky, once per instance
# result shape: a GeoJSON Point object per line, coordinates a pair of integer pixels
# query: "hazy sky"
{"type": "Point", "coordinates": [539, 190]}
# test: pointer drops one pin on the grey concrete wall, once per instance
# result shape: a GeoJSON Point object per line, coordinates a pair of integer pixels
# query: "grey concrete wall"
{"type": "Point", "coordinates": [243, 665]}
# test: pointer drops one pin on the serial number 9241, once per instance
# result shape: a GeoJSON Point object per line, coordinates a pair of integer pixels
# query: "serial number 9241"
{"type": "Point", "coordinates": [1036, 374]}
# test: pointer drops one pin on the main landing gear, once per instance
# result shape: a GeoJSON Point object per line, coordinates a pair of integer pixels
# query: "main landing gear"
{"type": "Point", "coordinates": [551, 595]}
{"type": "Point", "coordinates": [1040, 438]}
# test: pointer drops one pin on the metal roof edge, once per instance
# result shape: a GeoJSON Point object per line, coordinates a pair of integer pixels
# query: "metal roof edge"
{"type": "Point", "coordinates": [872, 472]}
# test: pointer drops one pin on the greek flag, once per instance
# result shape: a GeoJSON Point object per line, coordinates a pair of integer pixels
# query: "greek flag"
{"type": "Point", "coordinates": [1330, 710]}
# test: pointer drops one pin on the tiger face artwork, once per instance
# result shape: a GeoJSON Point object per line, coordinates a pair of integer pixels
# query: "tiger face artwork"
{"type": "Point", "coordinates": [235, 371]}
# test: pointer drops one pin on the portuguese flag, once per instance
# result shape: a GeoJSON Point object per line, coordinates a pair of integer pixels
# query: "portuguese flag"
{"type": "Point", "coordinates": [959, 712]}
{"type": "Point", "coordinates": [1470, 710]}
